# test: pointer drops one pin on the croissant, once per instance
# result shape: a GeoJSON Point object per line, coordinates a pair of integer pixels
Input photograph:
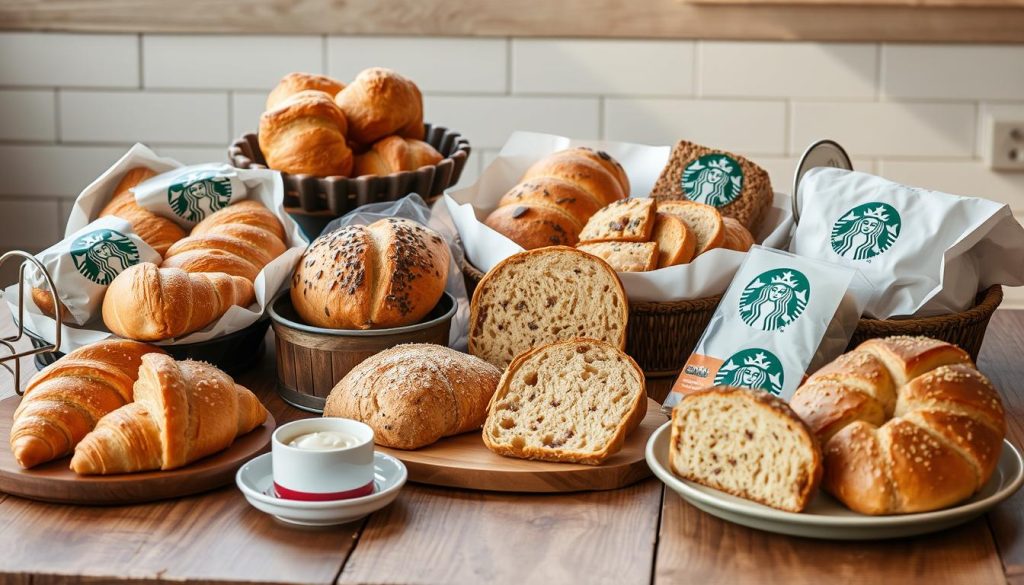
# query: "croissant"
{"type": "Point", "coordinates": [158, 232]}
{"type": "Point", "coordinates": [148, 303]}
{"type": "Point", "coordinates": [395, 154]}
{"type": "Point", "coordinates": [380, 102]}
{"type": "Point", "coordinates": [183, 411]}
{"type": "Point", "coordinates": [64, 401]}
{"type": "Point", "coordinates": [305, 134]}
{"type": "Point", "coordinates": [238, 240]}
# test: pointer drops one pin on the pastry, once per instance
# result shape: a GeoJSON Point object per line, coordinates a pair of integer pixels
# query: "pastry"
{"type": "Point", "coordinates": [737, 237]}
{"type": "Point", "coordinates": [729, 182]}
{"type": "Point", "coordinates": [574, 400]}
{"type": "Point", "coordinates": [293, 83]}
{"type": "Point", "coordinates": [183, 411]}
{"type": "Point", "coordinates": [379, 102]}
{"type": "Point", "coordinates": [545, 295]}
{"type": "Point", "coordinates": [158, 232]}
{"type": "Point", "coordinates": [908, 425]}
{"type": "Point", "coordinates": [387, 274]}
{"type": "Point", "coordinates": [149, 303]}
{"type": "Point", "coordinates": [64, 401]}
{"type": "Point", "coordinates": [677, 244]}
{"type": "Point", "coordinates": [414, 394]}
{"type": "Point", "coordinates": [305, 135]}
{"type": "Point", "coordinates": [43, 299]}
{"type": "Point", "coordinates": [703, 220]}
{"type": "Point", "coordinates": [624, 256]}
{"type": "Point", "coordinates": [395, 154]}
{"type": "Point", "coordinates": [627, 220]}
{"type": "Point", "coordinates": [747, 443]}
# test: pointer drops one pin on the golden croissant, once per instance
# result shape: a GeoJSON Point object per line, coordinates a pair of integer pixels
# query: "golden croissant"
{"type": "Point", "coordinates": [65, 401]}
{"type": "Point", "coordinates": [183, 411]}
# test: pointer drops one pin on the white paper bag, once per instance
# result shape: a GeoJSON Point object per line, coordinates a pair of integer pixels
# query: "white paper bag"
{"type": "Point", "coordinates": [187, 195]}
{"type": "Point", "coordinates": [925, 252]}
{"type": "Point", "coordinates": [707, 275]}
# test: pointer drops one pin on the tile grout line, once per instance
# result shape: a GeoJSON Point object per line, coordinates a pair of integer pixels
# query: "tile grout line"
{"type": "Point", "coordinates": [142, 70]}
{"type": "Point", "coordinates": [58, 131]}
{"type": "Point", "coordinates": [696, 60]}
{"type": "Point", "coordinates": [509, 57]}
{"type": "Point", "coordinates": [880, 70]}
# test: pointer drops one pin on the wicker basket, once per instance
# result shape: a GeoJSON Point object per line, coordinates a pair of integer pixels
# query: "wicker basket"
{"type": "Point", "coordinates": [661, 336]}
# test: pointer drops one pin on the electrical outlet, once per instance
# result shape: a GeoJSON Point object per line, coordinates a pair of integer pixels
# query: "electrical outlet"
{"type": "Point", "coordinates": [1005, 150]}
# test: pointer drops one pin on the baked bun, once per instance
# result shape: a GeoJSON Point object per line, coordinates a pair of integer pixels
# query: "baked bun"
{"type": "Point", "coordinates": [534, 226]}
{"type": "Point", "coordinates": [293, 83]}
{"type": "Point", "coordinates": [158, 232]}
{"type": "Point", "coordinates": [395, 154]}
{"type": "Point", "coordinates": [414, 394]}
{"type": "Point", "coordinates": [583, 171]}
{"type": "Point", "coordinates": [305, 135]}
{"type": "Point", "coordinates": [737, 237]}
{"type": "Point", "coordinates": [908, 424]}
{"type": "Point", "coordinates": [379, 102]}
{"type": "Point", "coordinates": [556, 194]}
{"type": "Point", "coordinates": [600, 157]}
{"type": "Point", "coordinates": [390, 273]}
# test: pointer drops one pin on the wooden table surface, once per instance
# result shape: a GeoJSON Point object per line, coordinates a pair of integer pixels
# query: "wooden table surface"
{"type": "Point", "coordinates": [639, 534]}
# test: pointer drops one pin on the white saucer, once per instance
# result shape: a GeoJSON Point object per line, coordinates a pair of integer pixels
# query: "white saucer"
{"type": "Point", "coordinates": [256, 481]}
{"type": "Point", "coordinates": [825, 517]}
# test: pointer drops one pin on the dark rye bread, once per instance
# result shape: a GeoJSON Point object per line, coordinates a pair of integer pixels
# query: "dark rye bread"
{"type": "Point", "coordinates": [749, 207]}
{"type": "Point", "coordinates": [747, 443]}
{"type": "Point", "coordinates": [546, 295]}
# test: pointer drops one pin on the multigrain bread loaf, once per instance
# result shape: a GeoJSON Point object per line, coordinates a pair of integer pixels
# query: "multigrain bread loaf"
{"type": "Point", "coordinates": [387, 274]}
{"type": "Point", "coordinates": [908, 425]}
{"type": "Point", "coordinates": [159, 232]}
{"type": "Point", "coordinates": [395, 154]}
{"type": "Point", "coordinates": [703, 220]}
{"type": "Point", "coordinates": [574, 400]}
{"type": "Point", "coordinates": [546, 295]}
{"type": "Point", "coordinates": [625, 256]}
{"type": "Point", "coordinates": [306, 134]}
{"type": "Point", "coordinates": [414, 394]}
{"type": "Point", "coordinates": [380, 102]}
{"type": "Point", "coordinates": [736, 186]}
{"type": "Point", "coordinates": [293, 83]}
{"type": "Point", "coordinates": [737, 237]}
{"type": "Point", "coordinates": [626, 220]}
{"type": "Point", "coordinates": [677, 243]}
{"type": "Point", "coordinates": [747, 443]}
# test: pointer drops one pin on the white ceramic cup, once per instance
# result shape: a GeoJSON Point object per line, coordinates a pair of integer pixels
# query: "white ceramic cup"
{"type": "Point", "coordinates": [322, 475]}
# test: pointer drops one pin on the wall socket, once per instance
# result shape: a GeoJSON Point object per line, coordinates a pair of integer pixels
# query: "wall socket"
{"type": "Point", "coordinates": [1005, 144]}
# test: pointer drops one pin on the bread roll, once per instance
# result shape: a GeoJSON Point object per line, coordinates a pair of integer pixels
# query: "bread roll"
{"type": "Point", "coordinates": [390, 273]}
{"type": "Point", "coordinates": [602, 158]}
{"type": "Point", "coordinates": [534, 226]}
{"type": "Point", "coordinates": [737, 237]}
{"type": "Point", "coordinates": [395, 154]}
{"type": "Point", "coordinates": [293, 83]}
{"type": "Point", "coordinates": [380, 102]}
{"type": "Point", "coordinates": [412, 395]}
{"type": "Point", "coordinates": [305, 135]}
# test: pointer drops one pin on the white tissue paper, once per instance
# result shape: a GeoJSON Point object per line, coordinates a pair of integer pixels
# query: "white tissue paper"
{"type": "Point", "coordinates": [707, 275]}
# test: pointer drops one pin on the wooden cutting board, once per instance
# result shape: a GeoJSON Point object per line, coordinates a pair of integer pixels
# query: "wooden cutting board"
{"type": "Point", "coordinates": [463, 461]}
{"type": "Point", "coordinates": [55, 482]}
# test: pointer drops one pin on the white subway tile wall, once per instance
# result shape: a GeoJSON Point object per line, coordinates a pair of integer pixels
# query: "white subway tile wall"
{"type": "Point", "coordinates": [73, 103]}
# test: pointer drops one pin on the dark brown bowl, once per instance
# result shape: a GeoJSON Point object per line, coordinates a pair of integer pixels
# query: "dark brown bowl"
{"type": "Point", "coordinates": [314, 201]}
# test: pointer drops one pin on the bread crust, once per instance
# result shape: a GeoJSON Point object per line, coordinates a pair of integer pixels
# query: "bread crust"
{"type": "Point", "coordinates": [159, 232]}
{"type": "Point", "coordinates": [602, 158]}
{"type": "Point", "coordinates": [395, 154]}
{"type": "Point", "coordinates": [681, 209]}
{"type": "Point", "coordinates": [293, 83]}
{"type": "Point", "coordinates": [534, 226]}
{"type": "Point", "coordinates": [590, 176]}
{"type": "Point", "coordinates": [305, 135]}
{"type": "Point", "coordinates": [380, 102]}
{"type": "Point", "coordinates": [737, 237]}
{"type": "Point", "coordinates": [673, 250]}
{"type": "Point", "coordinates": [553, 193]}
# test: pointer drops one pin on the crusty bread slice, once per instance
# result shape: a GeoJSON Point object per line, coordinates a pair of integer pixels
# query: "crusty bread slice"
{"type": "Point", "coordinates": [747, 443]}
{"type": "Point", "coordinates": [539, 296]}
{"type": "Point", "coordinates": [676, 241]}
{"type": "Point", "coordinates": [625, 256]}
{"type": "Point", "coordinates": [573, 400]}
{"type": "Point", "coordinates": [703, 220]}
{"type": "Point", "coordinates": [628, 220]}
{"type": "Point", "coordinates": [737, 237]}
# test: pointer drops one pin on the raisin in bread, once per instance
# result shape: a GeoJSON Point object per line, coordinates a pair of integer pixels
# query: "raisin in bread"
{"type": "Point", "coordinates": [628, 220]}
{"type": "Point", "coordinates": [573, 400]}
{"type": "Point", "coordinates": [747, 443]}
{"type": "Point", "coordinates": [539, 296]}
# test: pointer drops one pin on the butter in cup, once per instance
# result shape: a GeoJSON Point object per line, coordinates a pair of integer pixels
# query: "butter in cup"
{"type": "Point", "coordinates": [315, 471]}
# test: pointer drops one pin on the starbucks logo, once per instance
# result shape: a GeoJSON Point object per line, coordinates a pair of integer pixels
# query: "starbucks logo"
{"type": "Point", "coordinates": [714, 179]}
{"type": "Point", "coordinates": [752, 368]}
{"type": "Point", "coordinates": [866, 231]}
{"type": "Point", "coordinates": [774, 299]}
{"type": "Point", "coordinates": [103, 254]}
{"type": "Point", "coordinates": [199, 195]}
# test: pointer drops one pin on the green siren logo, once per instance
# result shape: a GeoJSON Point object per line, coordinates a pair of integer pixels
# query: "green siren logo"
{"type": "Point", "coordinates": [714, 179]}
{"type": "Point", "coordinates": [103, 254]}
{"type": "Point", "coordinates": [774, 299]}
{"type": "Point", "coordinates": [199, 195]}
{"type": "Point", "coordinates": [752, 368]}
{"type": "Point", "coordinates": [866, 231]}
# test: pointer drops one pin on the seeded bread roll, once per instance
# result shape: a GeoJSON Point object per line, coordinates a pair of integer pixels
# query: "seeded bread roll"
{"type": "Point", "coordinates": [602, 158]}
{"type": "Point", "coordinates": [390, 273]}
{"type": "Point", "coordinates": [628, 220]}
{"type": "Point", "coordinates": [624, 256]}
{"type": "Point", "coordinates": [581, 170]}
{"type": "Point", "coordinates": [533, 226]}
{"type": "Point", "coordinates": [554, 193]}
{"type": "Point", "coordinates": [731, 183]}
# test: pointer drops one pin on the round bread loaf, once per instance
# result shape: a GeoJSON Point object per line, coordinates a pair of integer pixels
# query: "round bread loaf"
{"type": "Point", "coordinates": [293, 83]}
{"type": "Point", "coordinates": [305, 135]}
{"type": "Point", "coordinates": [414, 394]}
{"type": "Point", "coordinates": [908, 424]}
{"type": "Point", "coordinates": [379, 102]}
{"type": "Point", "coordinates": [390, 273]}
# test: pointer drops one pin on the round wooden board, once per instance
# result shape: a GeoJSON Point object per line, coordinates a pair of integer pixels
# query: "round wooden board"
{"type": "Point", "coordinates": [463, 461]}
{"type": "Point", "coordinates": [55, 482]}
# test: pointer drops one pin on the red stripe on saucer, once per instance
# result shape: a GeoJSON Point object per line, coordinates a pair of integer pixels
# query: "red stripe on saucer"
{"type": "Point", "coordinates": [287, 494]}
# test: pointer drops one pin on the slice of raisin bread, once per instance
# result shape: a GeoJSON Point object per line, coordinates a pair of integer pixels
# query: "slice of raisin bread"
{"type": "Point", "coordinates": [628, 220]}
{"type": "Point", "coordinates": [747, 443]}
{"type": "Point", "coordinates": [573, 400]}
{"type": "Point", "coordinates": [544, 295]}
{"type": "Point", "coordinates": [703, 220]}
{"type": "Point", "coordinates": [625, 256]}
{"type": "Point", "coordinates": [676, 241]}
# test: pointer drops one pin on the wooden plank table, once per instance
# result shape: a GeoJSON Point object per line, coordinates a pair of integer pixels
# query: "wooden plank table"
{"type": "Point", "coordinates": [640, 534]}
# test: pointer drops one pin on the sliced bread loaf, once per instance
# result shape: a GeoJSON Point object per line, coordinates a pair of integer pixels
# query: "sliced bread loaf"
{"type": "Point", "coordinates": [539, 296]}
{"type": "Point", "coordinates": [625, 256]}
{"type": "Point", "coordinates": [628, 220]}
{"type": "Point", "coordinates": [747, 443]}
{"type": "Point", "coordinates": [573, 400]}
{"type": "Point", "coordinates": [703, 220]}
{"type": "Point", "coordinates": [676, 242]}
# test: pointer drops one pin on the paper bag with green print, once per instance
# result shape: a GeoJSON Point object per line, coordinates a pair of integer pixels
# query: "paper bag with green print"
{"type": "Point", "coordinates": [781, 317]}
{"type": "Point", "coordinates": [925, 252]}
{"type": "Point", "coordinates": [186, 195]}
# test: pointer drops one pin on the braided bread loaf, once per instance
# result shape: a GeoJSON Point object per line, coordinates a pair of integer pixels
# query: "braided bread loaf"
{"type": "Point", "coordinates": [908, 425]}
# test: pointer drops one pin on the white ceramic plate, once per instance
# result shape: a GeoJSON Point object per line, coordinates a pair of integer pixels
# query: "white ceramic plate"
{"type": "Point", "coordinates": [256, 481]}
{"type": "Point", "coordinates": [827, 518]}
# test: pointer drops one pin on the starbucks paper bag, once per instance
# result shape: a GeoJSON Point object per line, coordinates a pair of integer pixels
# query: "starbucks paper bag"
{"type": "Point", "coordinates": [186, 195]}
{"type": "Point", "coordinates": [84, 264]}
{"type": "Point", "coordinates": [782, 316]}
{"type": "Point", "coordinates": [925, 252]}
